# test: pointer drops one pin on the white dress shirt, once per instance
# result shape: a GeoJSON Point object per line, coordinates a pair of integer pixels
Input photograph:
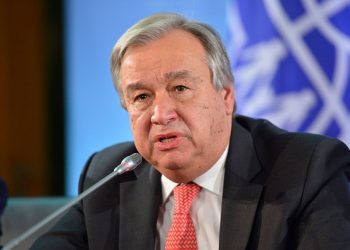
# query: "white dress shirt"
{"type": "Point", "coordinates": [205, 209]}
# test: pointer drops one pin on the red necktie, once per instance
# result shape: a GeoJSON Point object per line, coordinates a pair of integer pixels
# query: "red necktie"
{"type": "Point", "coordinates": [182, 234]}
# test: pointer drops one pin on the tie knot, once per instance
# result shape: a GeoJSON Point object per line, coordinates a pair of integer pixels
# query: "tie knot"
{"type": "Point", "coordinates": [184, 194]}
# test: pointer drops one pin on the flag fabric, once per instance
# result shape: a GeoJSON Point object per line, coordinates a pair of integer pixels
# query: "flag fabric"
{"type": "Point", "coordinates": [291, 62]}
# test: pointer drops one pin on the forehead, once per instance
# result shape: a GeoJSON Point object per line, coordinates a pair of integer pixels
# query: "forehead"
{"type": "Point", "coordinates": [178, 51]}
{"type": "Point", "coordinates": [175, 39]}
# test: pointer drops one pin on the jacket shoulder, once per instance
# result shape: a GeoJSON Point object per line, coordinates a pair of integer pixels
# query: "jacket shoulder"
{"type": "Point", "coordinates": [268, 135]}
{"type": "Point", "coordinates": [275, 146]}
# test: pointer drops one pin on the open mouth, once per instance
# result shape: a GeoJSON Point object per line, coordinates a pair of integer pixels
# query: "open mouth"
{"type": "Point", "coordinates": [167, 139]}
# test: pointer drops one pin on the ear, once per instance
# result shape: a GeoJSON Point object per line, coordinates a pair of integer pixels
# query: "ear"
{"type": "Point", "coordinates": [228, 97]}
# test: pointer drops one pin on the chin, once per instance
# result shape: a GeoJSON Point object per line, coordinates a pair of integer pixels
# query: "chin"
{"type": "Point", "coordinates": [169, 159]}
{"type": "Point", "coordinates": [169, 166]}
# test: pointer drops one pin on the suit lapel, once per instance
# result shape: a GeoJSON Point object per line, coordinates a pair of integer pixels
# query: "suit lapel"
{"type": "Point", "coordinates": [139, 204]}
{"type": "Point", "coordinates": [240, 196]}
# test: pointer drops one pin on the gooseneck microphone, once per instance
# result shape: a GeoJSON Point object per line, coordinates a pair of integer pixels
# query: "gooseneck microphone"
{"type": "Point", "coordinates": [128, 163]}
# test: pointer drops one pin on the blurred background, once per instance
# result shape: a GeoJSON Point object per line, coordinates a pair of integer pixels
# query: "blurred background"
{"type": "Point", "coordinates": [32, 102]}
{"type": "Point", "coordinates": [291, 61]}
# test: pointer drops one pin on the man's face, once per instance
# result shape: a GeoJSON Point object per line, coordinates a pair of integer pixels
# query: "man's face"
{"type": "Point", "coordinates": [180, 122]}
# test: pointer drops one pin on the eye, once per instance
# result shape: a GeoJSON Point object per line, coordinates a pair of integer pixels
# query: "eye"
{"type": "Point", "coordinates": [141, 97]}
{"type": "Point", "coordinates": [180, 88]}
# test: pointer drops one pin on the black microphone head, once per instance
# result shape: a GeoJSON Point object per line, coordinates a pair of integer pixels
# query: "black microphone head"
{"type": "Point", "coordinates": [129, 163]}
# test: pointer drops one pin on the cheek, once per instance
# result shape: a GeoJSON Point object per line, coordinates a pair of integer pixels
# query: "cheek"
{"type": "Point", "coordinates": [133, 123]}
{"type": "Point", "coordinates": [200, 122]}
{"type": "Point", "coordinates": [216, 117]}
{"type": "Point", "coordinates": [140, 124]}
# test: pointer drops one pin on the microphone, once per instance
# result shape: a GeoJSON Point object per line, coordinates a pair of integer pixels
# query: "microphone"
{"type": "Point", "coordinates": [128, 163]}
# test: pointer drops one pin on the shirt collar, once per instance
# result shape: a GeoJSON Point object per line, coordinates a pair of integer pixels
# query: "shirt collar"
{"type": "Point", "coordinates": [212, 180]}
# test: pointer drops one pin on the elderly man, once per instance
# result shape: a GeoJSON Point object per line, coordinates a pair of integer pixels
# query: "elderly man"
{"type": "Point", "coordinates": [209, 179]}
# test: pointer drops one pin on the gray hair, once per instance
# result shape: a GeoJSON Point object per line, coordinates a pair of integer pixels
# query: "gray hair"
{"type": "Point", "coordinates": [155, 27]}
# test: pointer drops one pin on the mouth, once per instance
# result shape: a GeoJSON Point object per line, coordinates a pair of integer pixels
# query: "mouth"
{"type": "Point", "coordinates": [168, 141]}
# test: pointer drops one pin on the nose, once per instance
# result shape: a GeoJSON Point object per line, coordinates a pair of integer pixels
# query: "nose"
{"type": "Point", "coordinates": [164, 111]}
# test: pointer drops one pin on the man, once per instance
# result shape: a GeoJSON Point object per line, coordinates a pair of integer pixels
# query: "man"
{"type": "Point", "coordinates": [257, 186]}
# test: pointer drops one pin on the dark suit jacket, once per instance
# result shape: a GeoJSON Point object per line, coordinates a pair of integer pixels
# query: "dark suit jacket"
{"type": "Point", "coordinates": [281, 191]}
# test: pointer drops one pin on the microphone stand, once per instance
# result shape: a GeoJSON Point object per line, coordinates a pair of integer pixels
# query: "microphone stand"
{"type": "Point", "coordinates": [126, 165]}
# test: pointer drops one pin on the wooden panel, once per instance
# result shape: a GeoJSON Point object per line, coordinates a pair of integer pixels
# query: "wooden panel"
{"type": "Point", "coordinates": [23, 128]}
{"type": "Point", "coordinates": [4, 92]}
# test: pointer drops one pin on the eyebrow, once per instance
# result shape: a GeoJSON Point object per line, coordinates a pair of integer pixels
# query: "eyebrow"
{"type": "Point", "coordinates": [135, 86]}
{"type": "Point", "coordinates": [181, 74]}
{"type": "Point", "coordinates": [169, 76]}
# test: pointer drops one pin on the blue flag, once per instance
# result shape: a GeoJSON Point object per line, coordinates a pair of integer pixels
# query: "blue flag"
{"type": "Point", "coordinates": [291, 61]}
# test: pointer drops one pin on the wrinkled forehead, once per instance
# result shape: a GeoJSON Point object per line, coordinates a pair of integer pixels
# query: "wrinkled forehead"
{"type": "Point", "coordinates": [144, 40]}
{"type": "Point", "coordinates": [175, 45]}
